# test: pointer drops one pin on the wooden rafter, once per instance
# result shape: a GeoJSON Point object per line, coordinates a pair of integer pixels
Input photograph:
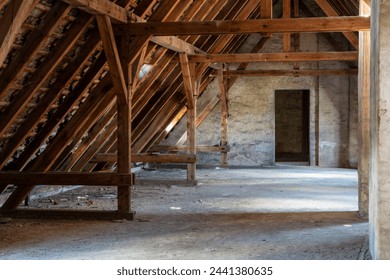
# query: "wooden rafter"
{"type": "Point", "coordinates": [34, 41]}
{"type": "Point", "coordinates": [331, 12]}
{"type": "Point", "coordinates": [37, 113]}
{"type": "Point", "coordinates": [274, 57]}
{"type": "Point", "coordinates": [44, 72]}
{"type": "Point", "coordinates": [293, 25]}
{"type": "Point", "coordinates": [294, 73]}
{"type": "Point", "coordinates": [15, 14]}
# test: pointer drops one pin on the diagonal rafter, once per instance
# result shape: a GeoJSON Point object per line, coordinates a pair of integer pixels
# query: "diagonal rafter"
{"type": "Point", "coordinates": [331, 12]}
{"type": "Point", "coordinates": [44, 72]}
{"type": "Point", "coordinates": [16, 13]}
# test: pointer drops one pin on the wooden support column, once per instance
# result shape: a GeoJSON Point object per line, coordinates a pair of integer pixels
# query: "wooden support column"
{"type": "Point", "coordinates": [191, 88]}
{"type": "Point", "coordinates": [296, 36]}
{"type": "Point", "coordinates": [223, 88]}
{"type": "Point", "coordinates": [286, 36]}
{"type": "Point", "coordinates": [123, 106]}
{"type": "Point", "coordinates": [364, 114]}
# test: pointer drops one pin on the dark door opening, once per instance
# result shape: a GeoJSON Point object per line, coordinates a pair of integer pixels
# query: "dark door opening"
{"type": "Point", "coordinates": [292, 112]}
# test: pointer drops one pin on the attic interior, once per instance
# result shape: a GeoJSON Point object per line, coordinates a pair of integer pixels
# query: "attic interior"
{"type": "Point", "coordinates": [132, 95]}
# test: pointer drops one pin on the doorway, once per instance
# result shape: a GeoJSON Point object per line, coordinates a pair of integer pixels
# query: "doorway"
{"type": "Point", "coordinates": [292, 112]}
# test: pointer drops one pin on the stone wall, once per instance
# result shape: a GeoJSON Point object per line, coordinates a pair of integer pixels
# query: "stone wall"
{"type": "Point", "coordinates": [252, 113]}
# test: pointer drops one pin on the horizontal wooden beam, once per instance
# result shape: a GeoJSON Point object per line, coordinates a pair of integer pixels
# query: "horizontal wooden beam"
{"type": "Point", "coordinates": [65, 178]}
{"type": "Point", "coordinates": [188, 158]}
{"type": "Point", "coordinates": [183, 148]}
{"type": "Point", "coordinates": [274, 57]}
{"type": "Point", "coordinates": [316, 72]}
{"type": "Point", "coordinates": [292, 25]}
{"type": "Point", "coordinates": [66, 214]}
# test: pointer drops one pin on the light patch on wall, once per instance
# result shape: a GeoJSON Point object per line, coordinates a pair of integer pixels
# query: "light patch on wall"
{"type": "Point", "coordinates": [145, 69]}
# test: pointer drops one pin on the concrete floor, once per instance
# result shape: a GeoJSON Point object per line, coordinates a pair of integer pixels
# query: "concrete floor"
{"type": "Point", "coordinates": [283, 212]}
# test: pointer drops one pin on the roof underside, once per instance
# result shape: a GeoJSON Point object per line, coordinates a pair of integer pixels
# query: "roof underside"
{"type": "Point", "coordinates": [57, 100]}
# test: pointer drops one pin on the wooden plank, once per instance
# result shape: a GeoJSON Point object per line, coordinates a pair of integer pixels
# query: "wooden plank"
{"type": "Point", "coordinates": [66, 178]}
{"type": "Point", "coordinates": [275, 57]}
{"type": "Point", "coordinates": [171, 158]}
{"type": "Point", "coordinates": [188, 84]}
{"type": "Point", "coordinates": [66, 214]}
{"type": "Point", "coordinates": [331, 12]}
{"type": "Point", "coordinates": [15, 14]}
{"type": "Point", "coordinates": [295, 73]}
{"type": "Point", "coordinates": [286, 15]}
{"type": "Point", "coordinates": [217, 27]}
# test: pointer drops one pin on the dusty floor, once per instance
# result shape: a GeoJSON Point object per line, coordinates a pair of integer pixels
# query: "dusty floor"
{"type": "Point", "coordinates": [283, 212]}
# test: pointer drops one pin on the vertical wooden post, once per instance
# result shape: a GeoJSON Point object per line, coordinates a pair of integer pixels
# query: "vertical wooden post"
{"type": "Point", "coordinates": [191, 88]}
{"type": "Point", "coordinates": [364, 115]}
{"type": "Point", "coordinates": [296, 36]}
{"type": "Point", "coordinates": [191, 124]}
{"type": "Point", "coordinates": [122, 83]}
{"type": "Point", "coordinates": [266, 10]}
{"type": "Point", "coordinates": [286, 36]}
{"type": "Point", "coordinates": [124, 129]}
{"type": "Point", "coordinates": [223, 88]}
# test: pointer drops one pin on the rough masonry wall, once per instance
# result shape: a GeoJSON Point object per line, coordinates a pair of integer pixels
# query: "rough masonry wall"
{"type": "Point", "coordinates": [252, 113]}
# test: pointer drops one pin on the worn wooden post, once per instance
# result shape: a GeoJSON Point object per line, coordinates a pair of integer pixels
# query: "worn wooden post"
{"type": "Point", "coordinates": [223, 95]}
{"type": "Point", "coordinates": [122, 84]}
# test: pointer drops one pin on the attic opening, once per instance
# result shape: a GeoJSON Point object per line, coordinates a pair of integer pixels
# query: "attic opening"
{"type": "Point", "coordinates": [292, 112]}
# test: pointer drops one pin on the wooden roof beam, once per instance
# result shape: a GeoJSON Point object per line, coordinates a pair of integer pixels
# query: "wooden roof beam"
{"type": "Point", "coordinates": [294, 73]}
{"type": "Point", "coordinates": [16, 13]}
{"type": "Point", "coordinates": [331, 12]}
{"type": "Point", "coordinates": [293, 25]}
{"type": "Point", "coordinates": [275, 57]}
